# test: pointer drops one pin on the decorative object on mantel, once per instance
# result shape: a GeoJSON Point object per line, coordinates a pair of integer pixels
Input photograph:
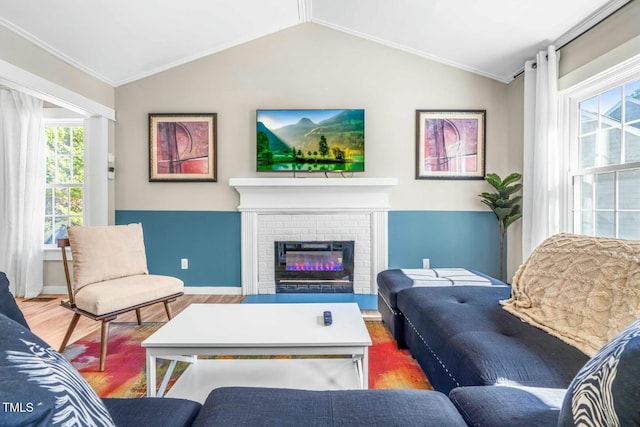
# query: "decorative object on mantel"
{"type": "Point", "coordinates": [504, 205]}
{"type": "Point", "coordinates": [450, 144]}
{"type": "Point", "coordinates": [182, 147]}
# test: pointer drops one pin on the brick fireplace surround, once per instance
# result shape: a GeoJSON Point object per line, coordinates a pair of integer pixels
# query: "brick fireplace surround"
{"type": "Point", "coordinates": [297, 209]}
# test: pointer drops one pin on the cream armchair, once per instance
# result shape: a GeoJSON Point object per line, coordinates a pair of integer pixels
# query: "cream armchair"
{"type": "Point", "coordinates": [110, 277]}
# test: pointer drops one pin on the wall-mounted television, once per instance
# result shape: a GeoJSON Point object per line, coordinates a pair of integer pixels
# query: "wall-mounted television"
{"type": "Point", "coordinates": [319, 140]}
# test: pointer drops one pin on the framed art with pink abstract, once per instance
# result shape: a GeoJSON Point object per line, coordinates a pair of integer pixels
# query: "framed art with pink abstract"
{"type": "Point", "coordinates": [182, 147]}
{"type": "Point", "coordinates": [450, 144]}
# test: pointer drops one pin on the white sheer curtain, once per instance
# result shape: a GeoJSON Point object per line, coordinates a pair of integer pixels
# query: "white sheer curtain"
{"type": "Point", "coordinates": [22, 191]}
{"type": "Point", "coordinates": [543, 160]}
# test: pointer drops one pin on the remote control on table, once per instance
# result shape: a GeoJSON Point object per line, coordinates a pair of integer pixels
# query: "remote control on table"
{"type": "Point", "coordinates": [327, 318]}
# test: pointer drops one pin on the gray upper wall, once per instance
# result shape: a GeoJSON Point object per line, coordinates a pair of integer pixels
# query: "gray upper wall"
{"type": "Point", "coordinates": [306, 66]}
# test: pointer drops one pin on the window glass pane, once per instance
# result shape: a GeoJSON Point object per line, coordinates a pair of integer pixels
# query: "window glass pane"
{"type": "Point", "coordinates": [589, 115]}
{"type": "Point", "coordinates": [51, 170]}
{"type": "Point", "coordinates": [583, 192]}
{"type": "Point", "coordinates": [48, 201]}
{"type": "Point", "coordinates": [605, 226]}
{"type": "Point", "coordinates": [605, 191]}
{"type": "Point", "coordinates": [629, 226]}
{"type": "Point", "coordinates": [75, 207]}
{"type": "Point", "coordinates": [78, 141]}
{"type": "Point", "coordinates": [48, 230]}
{"type": "Point", "coordinates": [63, 169]}
{"type": "Point", "coordinates": [588, 151]}
{"type": "Point", "coordinates": [61, 201]}
{"type": "Point", "coordinates": [76, 220]}
{"type": "Point", "coordinates": [632, 145]}
{"type": "Point", "coordinates": [632, 104]}
{"type": "Point", "coordinates": [63, 141]}
{"type": "Point", "coordinates": [78, 169]}
{"type": "Point", "coordinates": [50, 136]}
{"type": "Point", "coordinates": [629, 189]}
{"type": "Point", "coordinates": [609, 148]}
{"type": "Point", "coordinates": [611, 108]}
{"type": "Point", "coordinates": [60, 230]}
{"type": "Point", "coordinates": [584, 223]}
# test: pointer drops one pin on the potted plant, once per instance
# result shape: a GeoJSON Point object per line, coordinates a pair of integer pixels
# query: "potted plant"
{"type": "Point", "coordinates": [504, 204]}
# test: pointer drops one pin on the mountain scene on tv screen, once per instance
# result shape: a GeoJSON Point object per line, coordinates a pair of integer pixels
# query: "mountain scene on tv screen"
{"type": "Point", "coordinates": [310, 140]}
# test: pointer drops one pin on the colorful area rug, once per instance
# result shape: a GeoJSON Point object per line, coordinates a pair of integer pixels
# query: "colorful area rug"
{"type": "Point", "coordinates": [124, 375]}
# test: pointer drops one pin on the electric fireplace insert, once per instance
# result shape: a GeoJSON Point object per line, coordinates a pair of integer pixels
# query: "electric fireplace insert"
{"type": "Point", "coordinates": [314, 267]}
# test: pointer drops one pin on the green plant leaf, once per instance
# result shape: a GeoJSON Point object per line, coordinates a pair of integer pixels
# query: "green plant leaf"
{"type": "Point", "coordinates": [513, 177]}
{"type": "Point", "coordinates": [511, 219]}
{"type": "Point", "coordinates": [493, 180]}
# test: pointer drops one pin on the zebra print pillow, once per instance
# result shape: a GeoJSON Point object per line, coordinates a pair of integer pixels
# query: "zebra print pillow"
{"type": "Point", "coordinates": [606, 391]}
{"type": "Point", "coordinates": [40, 387]}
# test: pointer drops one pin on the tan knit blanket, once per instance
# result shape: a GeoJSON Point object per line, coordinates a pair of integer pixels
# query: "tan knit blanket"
{"type": "Point", "coordinates": [581, 289]}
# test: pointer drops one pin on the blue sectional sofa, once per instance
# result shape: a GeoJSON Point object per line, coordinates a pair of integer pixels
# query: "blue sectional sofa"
{"type": "Point", "coordinates": [500, 370]}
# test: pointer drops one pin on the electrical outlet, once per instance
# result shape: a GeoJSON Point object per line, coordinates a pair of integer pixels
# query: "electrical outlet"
{"type": "Point", "coordinates": [184, 263]}
{"type": "Point", "coordinates": [425, 263]}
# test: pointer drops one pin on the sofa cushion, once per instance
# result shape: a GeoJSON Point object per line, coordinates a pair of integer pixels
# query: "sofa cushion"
{"type": "Point", "coordinates": [508, 406]}
{"type": "Point", "coordinates": [106, 252]}
{"type": "Point", "coordinates": [108, 296]}
{"type": "Point", "coordinates": [255, 406]}
{"type": "Point", "coordinates": [40, 387]}
{"type": "Point", "coordinates": [8, 305]}
{"type": "Point", "coordinates": [581, 289]}
{"type": "Point", "coordinates": [462, 337]}
{"type": "Point", "coordinates": [391, 282]}
{"type": "Point", "coordinates": [606, 391]}
{"type": "Point", "coordinates": [152, 412]}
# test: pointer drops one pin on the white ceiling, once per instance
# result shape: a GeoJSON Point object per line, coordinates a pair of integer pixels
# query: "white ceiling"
{"type": "Point", "coordinates": [120, 41]}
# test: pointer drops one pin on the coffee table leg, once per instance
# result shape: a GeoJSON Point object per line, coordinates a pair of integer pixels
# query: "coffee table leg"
{"type": "Point", "coordinates": [361, 364]}
{"type": "Point", "coordinates": [151, 375]}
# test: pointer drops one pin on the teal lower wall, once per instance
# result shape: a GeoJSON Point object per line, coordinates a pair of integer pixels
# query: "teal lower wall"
{"type": "Point", "coordinates": [211, 242]}
{"type": "Point", "coordinates": [466, 239]}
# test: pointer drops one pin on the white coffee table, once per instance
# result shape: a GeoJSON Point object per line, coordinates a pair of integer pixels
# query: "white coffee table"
{"type": "Point", "coordinates": [261, 330]}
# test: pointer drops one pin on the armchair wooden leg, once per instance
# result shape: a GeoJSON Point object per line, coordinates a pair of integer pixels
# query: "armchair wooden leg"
{"type": "Point", "coordinates": [72, 326]}
{"type": "Point", "coordinates": [104, 337]}
{"type": "Point", "coordinates": [138, 316]}
{"type": "Point", "coordinates": [167, 308]}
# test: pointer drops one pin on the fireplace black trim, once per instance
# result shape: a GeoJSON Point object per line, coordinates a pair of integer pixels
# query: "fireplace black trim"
{"type": "Point", "coordinates": [314, 281]}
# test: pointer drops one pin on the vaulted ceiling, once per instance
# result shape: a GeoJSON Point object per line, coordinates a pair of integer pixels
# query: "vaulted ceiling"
{"type": "Point", "coordinates": [119, 41]}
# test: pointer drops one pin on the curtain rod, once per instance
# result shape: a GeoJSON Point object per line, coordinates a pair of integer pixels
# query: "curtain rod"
{"type": "Point", "coordinates": [582, 33]}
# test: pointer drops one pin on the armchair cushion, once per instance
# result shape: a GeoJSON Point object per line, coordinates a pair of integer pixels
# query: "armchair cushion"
{"type": "Point", "coordinates": [108, 296]}
{"type": "Point", "coordinates": [122, 253]}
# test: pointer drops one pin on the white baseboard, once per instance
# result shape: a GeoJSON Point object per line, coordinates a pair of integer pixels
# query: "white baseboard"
{"type": "Point", "coordinates": [54, 290]}
{"type": "Point", "coordinates": [188, 290]}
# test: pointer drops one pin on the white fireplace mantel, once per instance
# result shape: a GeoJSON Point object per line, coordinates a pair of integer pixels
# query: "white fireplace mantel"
{"type": "Point", "coordinates": [347, 208]}
{"type": "Point", "coordinates": [313, 194]}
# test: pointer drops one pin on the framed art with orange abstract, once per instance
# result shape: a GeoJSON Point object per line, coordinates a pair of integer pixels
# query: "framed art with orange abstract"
{"type": "Point", "coordinates": [182, 147]}
{"type": "Point", "coordinates": [450, 144]}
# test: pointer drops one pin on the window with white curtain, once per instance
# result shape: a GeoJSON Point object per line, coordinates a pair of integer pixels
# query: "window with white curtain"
{"type": "Point", "coordinates": [605, 197]}
{"type": "Point", "coordinates": [64, 199]}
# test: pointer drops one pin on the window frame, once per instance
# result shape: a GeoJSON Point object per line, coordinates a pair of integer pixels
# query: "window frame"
{"type": "Point", "coordinates": [569, 120]}
{"type": "Point", "coordinates": [96, 189]}
{"type": "Point", "coordinates": [70, 122]}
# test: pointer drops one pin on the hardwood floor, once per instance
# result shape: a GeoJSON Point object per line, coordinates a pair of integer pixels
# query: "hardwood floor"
{"type": "Point", "coordinates": [48, 320]}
